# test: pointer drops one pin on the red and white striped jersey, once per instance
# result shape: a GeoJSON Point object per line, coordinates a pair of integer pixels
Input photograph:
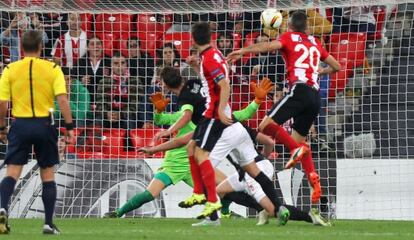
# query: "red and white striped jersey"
{"type": "Point", "coordinates": [213, 69]}
{"type": "Point", "coordinates": [70, 49]}
{"type": "Point", "coordinates": [302, 54]}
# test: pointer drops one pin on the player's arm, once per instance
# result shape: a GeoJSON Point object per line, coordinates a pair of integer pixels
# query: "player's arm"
{"type": "Point", "coordinates": [166, 118]}
{"type": "Point", "coordinates": [186, 114]}
{"type": "Point", "coordinates": [224, 99]}
{"type": "Point", "coordinates": [260, 91]}
{"type": "Point", "coordinates": [268, 144]}
{"type": "Point", "coordinates": [333, 66]}
{"type": "Point", "coordinates": [5, 97]}
{"type": "Point", "coordinates": [172, 144]}
{"type": "Point", "coordinates": [255, 49]}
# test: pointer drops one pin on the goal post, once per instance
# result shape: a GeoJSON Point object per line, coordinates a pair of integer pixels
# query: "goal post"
{"type": "Point", "coordinates": [113, 51]}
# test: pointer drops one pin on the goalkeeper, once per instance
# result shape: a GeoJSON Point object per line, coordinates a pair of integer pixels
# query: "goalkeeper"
{"type": "Point", "coordinates": [175, 167]}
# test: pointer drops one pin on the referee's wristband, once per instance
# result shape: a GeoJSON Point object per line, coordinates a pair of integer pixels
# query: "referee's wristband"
{"type": "Point", "coordinates": [69, 126]}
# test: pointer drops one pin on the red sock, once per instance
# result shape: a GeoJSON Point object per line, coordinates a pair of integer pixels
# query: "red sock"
{"type": "Point", "coordinates": [280, 135]}
{"type": "Point", "coordinates": [196, 176]}
{"type": "Point", "coordinates": [307, 163]}
{"type": "Point", "coordinates": [207, 171]}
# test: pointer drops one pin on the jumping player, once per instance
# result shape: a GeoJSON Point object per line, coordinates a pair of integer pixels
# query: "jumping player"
{"type": "Point", "coordinates": [302, 54]}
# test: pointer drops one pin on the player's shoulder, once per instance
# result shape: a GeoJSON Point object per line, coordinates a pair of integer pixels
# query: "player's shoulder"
{"type": "Point", "coordinates": [48, 63]}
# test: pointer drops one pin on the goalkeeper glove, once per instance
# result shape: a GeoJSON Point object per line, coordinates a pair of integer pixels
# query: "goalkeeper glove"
{"type": "Point", "coordinates": [159, 102]}
{"type": "Point", "coordinates": [261, 90]}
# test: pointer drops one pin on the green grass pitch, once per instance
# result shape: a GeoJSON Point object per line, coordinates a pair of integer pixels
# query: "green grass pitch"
{"type": "Point", "coordinates": [240, 229]}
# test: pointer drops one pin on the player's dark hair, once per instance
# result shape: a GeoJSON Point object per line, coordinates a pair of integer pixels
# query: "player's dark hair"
{"type": "Point", "coordinates": [201, 33]}
{"type": "Point", "coordinates": [171, 77]}
{"type": "Point", "coordinates": [299, 21]}
{"type": "Point", "coordinates": [32, 41]}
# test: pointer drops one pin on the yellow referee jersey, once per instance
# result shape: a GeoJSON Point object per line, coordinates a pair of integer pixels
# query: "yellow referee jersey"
{"type": "Point", "coordinates": [31, 84]}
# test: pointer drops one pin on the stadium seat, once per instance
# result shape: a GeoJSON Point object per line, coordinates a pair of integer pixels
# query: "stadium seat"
{"type": "Point", "coordinates": [338, 81]}
{"type": "Point", "coordinates": [349, 46]}
{"type": "Point", "coordinates": [150, 42]}
{"type": "Point", "coordinates": [380, 15]}
{"type": "Point", "coordinates": [115, 24]}
{"type": "Point", "coordinates": [110, 42]}
{"type": "Point", "coordinates": [113, 141]}
{"type": "Point", "coordinates": [144, 138]}
{"type": "Point", "coordinates": [87, 23]}
{"type": "Point", "coordinates": [182, 41]}
{"type": "Point", "coordinates": [147, 23]}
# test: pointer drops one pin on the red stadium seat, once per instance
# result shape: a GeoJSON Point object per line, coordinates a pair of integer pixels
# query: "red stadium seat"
{"type": "Point", "coordinates": [144, 138]}
{"type": "Point", "coordinates": [87, 23]}
{"type": "Point", "coordinates": [147, 23]}
{"type": "Point", "coordinates": [116, 24]}
{"type": "Point", "coordinates": [109, 41]}
{"type": "Point", "coordinates": [338, 81]}
{"type": "Point", "coordinates": [113, 141]}
{"type": "Point", "coordinates": [182, 41]}
{"type": "Point", "coordinates": [380, 15]}
{"type": "Point", "coordinates": [150, 42]}
{"type": "Point", "coordinates": [349, 46]}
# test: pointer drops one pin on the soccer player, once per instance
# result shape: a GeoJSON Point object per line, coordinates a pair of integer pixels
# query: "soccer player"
{"type": "Point", "coordinates": [302, 54]}
{"type": "Point", "coordinates": [31, 84]}
{"type": "Point", "coordinates": [216, 117]}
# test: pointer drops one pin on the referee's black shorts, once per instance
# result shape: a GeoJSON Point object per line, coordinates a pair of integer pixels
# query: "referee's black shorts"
{"type": "Point", "coordinates": [207, 133]}
{"type": "Point", "coordinates": [302, 104]}
{"type": "Point", "coordinates": [36, 133]}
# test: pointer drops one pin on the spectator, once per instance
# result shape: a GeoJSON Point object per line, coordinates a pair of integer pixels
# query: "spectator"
{"type": "Point", "coordinates": [225, 43]}
{"type": "Point", "coordinates": [317, 24]}
{"type": "Point", "coordinates": [139, 62]}
{"type": "Point", "coordinates": [193, 69]}
{"type": "Point", "coordinates": [119, 99]}
{"type": "Point", "coordinates": [55, 24]}
{"type": "Point", "coordinates": [11, 36]}
{"type": "Point", "coordinates": [90, 69]}
{"type": "Point", "coordinates": [355, 19]}
{"type": "Point", "coordinates": [270, 65]}
{"type": "Point", "coordinates": [79, 100]}
{"type": "Point", "coordinates": [71, 46]}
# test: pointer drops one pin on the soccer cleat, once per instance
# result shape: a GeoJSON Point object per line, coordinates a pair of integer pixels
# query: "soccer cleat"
{"type": "Point", "coordinates": [207, 222]}
{"type": "Point", "coordinates": [231, 215]}
{"type": "Point", "coordinates": [209, 209]}
{"type": "Point", "coordinates": [315, 187]}
{"type": "Point", "coordinates": [51, 229]}
{"type": "Point", "coordinates": [317, 218]}
{"type": "Point", "coordinates": [112, 214]}
{"type": "Point", "coordinates": [263, 218]}
{"type": "Point", "coordinates": [283, 215]}
{"type": "Point", "coordinates": [4, 225]}
{"type": "Point", "coordinates": [297, 155]}
{"type": "Point", "coordinates": [194, 199]}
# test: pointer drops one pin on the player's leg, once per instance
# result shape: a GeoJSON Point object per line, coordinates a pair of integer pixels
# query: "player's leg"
{"type": "Point", "coordinates": [6, 190]}
{"type": "Point", "coordinates": [160, 181]}
{"type": "Point", "coordinates": [288, 107]}
{"type": "Point", "coordinates": [49, 194]}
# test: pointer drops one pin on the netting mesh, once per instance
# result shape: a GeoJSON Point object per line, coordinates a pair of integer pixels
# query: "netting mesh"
{"type": "Point", "coordinates": [112, 53]}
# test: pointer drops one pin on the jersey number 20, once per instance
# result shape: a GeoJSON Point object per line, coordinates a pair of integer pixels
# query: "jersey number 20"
{"type": "Point", "coordinates": [311, 53]}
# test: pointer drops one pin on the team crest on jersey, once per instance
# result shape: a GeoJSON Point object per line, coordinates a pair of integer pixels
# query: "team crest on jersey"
{"type": "Point", "coordinates": [296, 38]}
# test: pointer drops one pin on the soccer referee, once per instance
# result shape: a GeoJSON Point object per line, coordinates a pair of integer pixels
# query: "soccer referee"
{"type": "Point", "coordinates": [31, 85]}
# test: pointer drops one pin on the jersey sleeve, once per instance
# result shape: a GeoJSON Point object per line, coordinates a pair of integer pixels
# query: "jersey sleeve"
{"type": "Point", "coordinates": [59, 84]}
{"type": "Point", "coordinates": [5, 93]}
{"type": "Point", "coordinates": [284, 39]}
{"type": "Point", "coordinates": [246, 113]}
{"type": "Point", "coordinates": [215, 69]}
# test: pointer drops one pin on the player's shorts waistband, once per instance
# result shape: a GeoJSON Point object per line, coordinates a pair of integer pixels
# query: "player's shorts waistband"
{"type": "Point", "coordinates": [304, 84]}
{"type": "Point", "coordinates": [27, 118]}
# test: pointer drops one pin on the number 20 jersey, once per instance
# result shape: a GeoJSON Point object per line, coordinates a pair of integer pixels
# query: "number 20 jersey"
{"type": "Point", "coordinates": [302, 54]}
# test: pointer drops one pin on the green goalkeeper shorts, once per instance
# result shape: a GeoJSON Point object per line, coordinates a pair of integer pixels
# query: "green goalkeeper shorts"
{"type": "Point", "coordinates": [168, 177]}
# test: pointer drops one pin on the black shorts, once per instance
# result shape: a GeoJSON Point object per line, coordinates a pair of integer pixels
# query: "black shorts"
{"type": "Point", "coordinates": [32, 133]}
{"type": "Point", "coordinates": [302, 104]}
{"type": "Point", "coordinates": [207, 133]}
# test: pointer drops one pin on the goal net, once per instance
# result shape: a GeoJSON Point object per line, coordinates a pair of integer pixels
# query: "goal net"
{"type": "Point", "coordinates": [112, 53]}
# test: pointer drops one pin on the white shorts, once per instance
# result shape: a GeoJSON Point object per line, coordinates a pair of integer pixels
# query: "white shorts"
{"type": "Point", "coordinates": [235, 139]}
{"type": "Point", "coordinates": [249, 184]}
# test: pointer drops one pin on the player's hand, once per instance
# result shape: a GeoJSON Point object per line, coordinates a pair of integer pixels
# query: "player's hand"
{"type": "Point", "coordinates": [162, 134]}
{"type": "Point", "coordinates": [70, 137]}
{"type": "Point", "coordinates": [3, 135]}
{"type": "Point", "coordinates": [235, 55]}
{"type": "Point", "coordinates": [224, 119]}
{"type": "Point", "coordinates": [160, 103]}
{"type": "Point", "coordinates": [147, 150]}
{"type": "Point", "coordinates": [261, 90]}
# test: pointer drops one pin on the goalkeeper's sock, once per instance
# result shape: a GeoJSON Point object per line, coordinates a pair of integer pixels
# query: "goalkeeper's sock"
{"type": "Point", "coordinates": [207, 172]}
{"type": "Point", "coordinates": [135, 202]}
{"type": "Point", "coordinates": [269, 190]}
{"type": "Point", "coordinates": [214, 216]}
{"type": "Point", "coordinates": [243, 199]}
{"type": "Point", "coordinates": [307, 163]}
{"type": "Point", "coordinates": [298, 215]}
{"type": "Point", "coordinates": [6, 190]}
{"type": "Point", "coordinates": [196, 176]}
{"type": "Point", "coordinates": [225, 209]}
{"type": "Point", "coordinates": [279, 134]}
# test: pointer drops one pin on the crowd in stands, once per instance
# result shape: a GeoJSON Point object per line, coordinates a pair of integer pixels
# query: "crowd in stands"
{"type": "Point", "coordinates": [112, 62]}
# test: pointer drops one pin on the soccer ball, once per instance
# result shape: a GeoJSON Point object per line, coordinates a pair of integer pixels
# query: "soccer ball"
{"type": "Point", "coordinates": [271, 18]}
